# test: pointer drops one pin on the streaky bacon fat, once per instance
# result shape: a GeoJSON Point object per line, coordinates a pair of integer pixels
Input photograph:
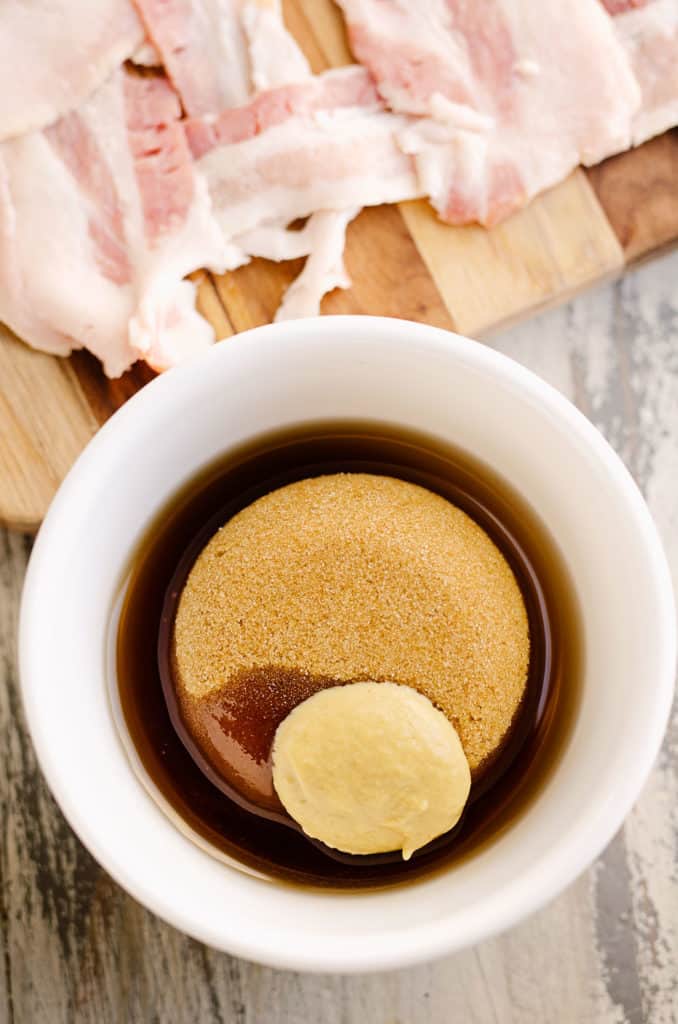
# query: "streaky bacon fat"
{"type": "Point", "coordinates": [503, 92]}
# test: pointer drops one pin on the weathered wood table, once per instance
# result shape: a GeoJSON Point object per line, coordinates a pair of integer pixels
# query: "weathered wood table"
{"type": "Point", "coordinates": [76, 949]}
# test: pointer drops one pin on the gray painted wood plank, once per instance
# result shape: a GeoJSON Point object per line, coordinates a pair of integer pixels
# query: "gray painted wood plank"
{"type": "Point", "coordinates": [621, 344]}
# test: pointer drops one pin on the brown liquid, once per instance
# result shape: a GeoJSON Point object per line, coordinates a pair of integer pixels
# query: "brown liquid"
{"type": "Point", "coordinates": [264, 838]}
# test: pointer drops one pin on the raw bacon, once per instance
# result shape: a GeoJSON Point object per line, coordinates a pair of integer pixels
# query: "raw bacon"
{"type": "Point", "coordinates": [648, 31]}
{"type": "Point", "coordinates": [203, 50]}
{"type": "Point", "coordinates": [15, 311]}
{"type": "Point", "coordinates": [106, 216]}
{"type": "Point", "coordinates": [54, 53]}
{"type": "Point", "coordinates": [178, 233]}
{"type": "Point", "coordinates": [275, 60]}
{"type": "Point", "coordinates": [109, 197]}
{"type": "Point", "coordinates": [268, 60]}
{"type": "Point", "coordinates": [503, 91]}
{"type": "Point", "coordinates": [323, 145]}
{"type": "Point", "coordinates": [274, 55]}
{"type": "Point", "coordinates": [335, 91]}
{"type": "Point", "coordinates": [324, 269]}
{"type": "Point", "coordinates": [620, 6]}
{"type": "Point", "coordinates": [218, 52]}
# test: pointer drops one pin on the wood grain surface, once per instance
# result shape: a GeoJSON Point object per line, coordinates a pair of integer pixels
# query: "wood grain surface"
{"type": "Point", "coordinates": [77, 950]}
{"type": "Point", "coordinates": [403, 262]}
{"type": "Point", "coordinates": [637, 192]}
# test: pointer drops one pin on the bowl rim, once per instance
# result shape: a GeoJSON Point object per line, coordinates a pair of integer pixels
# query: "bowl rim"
{"type": "Point", "coordinates": [548, 876]}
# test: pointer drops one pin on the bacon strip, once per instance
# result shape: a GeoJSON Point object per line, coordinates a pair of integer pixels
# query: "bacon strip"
{"type": "Point", "coordinates": [203, 50]}
{"type": "Point", "coordinates": [218, 52]}
{"type": "Point", "coordinates": [648, 31]}
{"type": "Point", "coordinates": [103, 215]}
{"type": "Point", "coordinates": [621, 6]}
{"type": "Point", "coordinates": [55, 53]}
{"type": "Point", "coordinates": [324, 269]}
{"type": "Point", "coordinates": [504, 92]}
{"type": "Point", "coordinates": [323, 145]}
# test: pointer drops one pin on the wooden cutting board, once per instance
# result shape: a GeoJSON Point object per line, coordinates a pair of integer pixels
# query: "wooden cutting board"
{"type": "Point", "coordinates": [403, 262]}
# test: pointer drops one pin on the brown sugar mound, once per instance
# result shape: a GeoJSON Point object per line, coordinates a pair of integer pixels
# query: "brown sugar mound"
{"type": "Point", "coordinates": [354, 577]}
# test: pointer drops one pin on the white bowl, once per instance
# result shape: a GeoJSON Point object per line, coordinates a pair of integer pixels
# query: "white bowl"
{"type": "Point", "coordinates": [386, 370]}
